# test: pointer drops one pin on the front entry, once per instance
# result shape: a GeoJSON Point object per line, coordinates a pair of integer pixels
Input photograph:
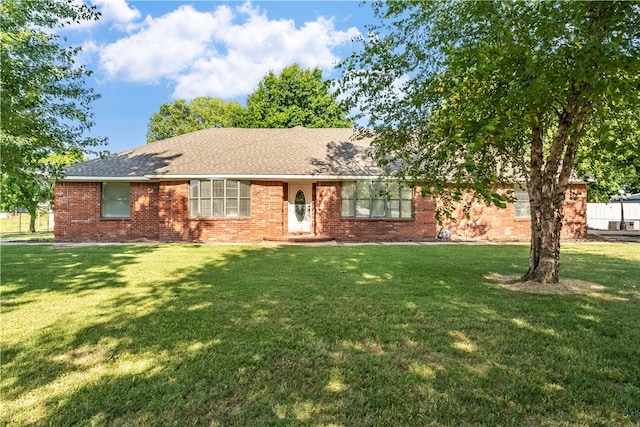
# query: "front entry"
{"type": "Point", "coordinates": [300, 210]}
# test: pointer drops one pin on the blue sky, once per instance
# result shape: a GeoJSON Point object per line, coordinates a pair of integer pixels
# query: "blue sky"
{"type": "Point", "coordinates": [145, 53]}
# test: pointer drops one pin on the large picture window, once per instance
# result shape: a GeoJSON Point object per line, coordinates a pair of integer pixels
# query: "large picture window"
{"type": "Point", "coordinates": [219, 198]}
{"type": "Point", "coordinates": [375, 199]}
{"type": "Point", "coordinates": [115, 199]}
{"type": "Point", "coordinates": [521, 206]}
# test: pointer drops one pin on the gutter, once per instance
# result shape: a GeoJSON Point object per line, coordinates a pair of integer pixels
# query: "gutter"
{"type": "Point", "coordinates": [216, 176]}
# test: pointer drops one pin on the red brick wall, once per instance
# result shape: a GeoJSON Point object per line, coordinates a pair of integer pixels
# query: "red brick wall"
{"type": "Point", "coordinates": [493, 223]}
{"type": "Point", "coordinates": [574, 224]}
{"type": "Point", "coordinates": [78, 213]}
{"type": "Point", "coordinates": [329, 222]}
{"type": "Point", "coordinates": [266, 218]}
{"type": "Point", "coordinates": [159, 211]}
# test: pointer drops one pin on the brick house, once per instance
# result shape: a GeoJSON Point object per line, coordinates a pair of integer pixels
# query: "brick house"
{"type": "Point", "coordinates": [249, 185]}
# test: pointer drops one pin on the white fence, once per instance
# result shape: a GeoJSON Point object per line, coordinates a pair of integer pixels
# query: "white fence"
{"type": "Point", "coordinates": [606, 216]}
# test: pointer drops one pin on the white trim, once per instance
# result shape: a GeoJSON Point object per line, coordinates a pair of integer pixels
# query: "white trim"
{"type": "Point", "coordinates": [285, 178]}
{"type": "Point", "coordinates": [220, 176]}
{"type": "Point", "coordinates": [268, 177]}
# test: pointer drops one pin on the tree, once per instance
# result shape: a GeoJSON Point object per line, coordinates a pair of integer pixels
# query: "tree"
{"type": "Point", "coordinates": [31, 186]}
{"type": "Point", "coordinates": [180, 117]}
{"type": "Point", "coordinates": [610, 162]}
{"type": "Point", "coordinates": [468, 96]}
{"type": "Point", "coordinates": [44, 104]}
{"type": "Point", "coordinates": [295, 98]}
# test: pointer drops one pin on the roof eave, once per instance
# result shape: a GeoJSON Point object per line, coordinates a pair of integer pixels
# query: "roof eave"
{"type": "Point", "coordinates": [80, 178]}
{"type": "Point", "coordinates": [263, 177]}
{"type": "Point", "coordinates": [266, 177]}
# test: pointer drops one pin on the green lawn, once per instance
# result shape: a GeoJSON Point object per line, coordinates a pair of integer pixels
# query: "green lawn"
{"type": "Point", "coordinates": [17, 228]}
{"type": "Point", "coordinates": [366, 335]}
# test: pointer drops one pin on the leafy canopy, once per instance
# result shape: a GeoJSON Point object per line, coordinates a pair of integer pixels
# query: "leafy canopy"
{"type": "Point", "coordinates": [454, 90]}
{"type": "Point", "coordinates": [611, 161]}
{"type": "Point", "coordinates": [296, 97]}
{"type": "Point", "coordinates": [44, 104]}
{"type": "Point", "coordinates": [180, 117]}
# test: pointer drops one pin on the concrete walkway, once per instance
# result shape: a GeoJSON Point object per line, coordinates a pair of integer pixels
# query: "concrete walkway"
{"type": "Point", "coordinates": [614, 235]}
{"type": "Point", "coordinates": [632, 236]}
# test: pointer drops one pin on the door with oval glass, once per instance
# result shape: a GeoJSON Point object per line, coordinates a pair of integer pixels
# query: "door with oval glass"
{"type": "Point", "coordinates": [300, 215]}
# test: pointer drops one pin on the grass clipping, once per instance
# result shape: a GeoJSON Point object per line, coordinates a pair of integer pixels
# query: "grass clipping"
{"type": "Point", "coordinates": [563, 287]}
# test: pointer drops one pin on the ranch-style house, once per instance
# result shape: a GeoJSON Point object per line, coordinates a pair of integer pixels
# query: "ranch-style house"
{"type": "Point", "coordinates": [250, 185]}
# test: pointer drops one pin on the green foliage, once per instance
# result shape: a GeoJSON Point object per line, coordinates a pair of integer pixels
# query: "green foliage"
{"type": "Point", "coordinates": [611, 159]}
{"type": "Point", "coordinates": [30, 184]}
{"type": "Point", "coordinates": [453, 90]}
{"type": "Point", "coordinates": [44, 105]}
{"type": "Point", "coordinates": [295, 98]}
{"type": "Point", "coordinates": [180, 117]}
{"type": "Point", "coordinates": [42, 94]}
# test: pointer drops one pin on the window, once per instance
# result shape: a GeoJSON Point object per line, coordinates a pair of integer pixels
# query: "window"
{"type": "Point", "coordinates": [375, 199]}
{"type": "Point", "coordinates": [115, 199]}
{"type": "Point", "coordinates": [219, 198]}
{"type": "Point", "coordinates": [521, 205]}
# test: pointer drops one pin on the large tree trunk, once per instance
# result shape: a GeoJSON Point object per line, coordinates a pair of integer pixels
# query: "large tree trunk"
{"type": "Point", "coordinates": [545, 236]}
{"type": "Point", "coordinates": [546, 212]}
{"type": "Point", "coordinates": [534, 186]}
{"type": "Point", "coordinates": [547, 184]}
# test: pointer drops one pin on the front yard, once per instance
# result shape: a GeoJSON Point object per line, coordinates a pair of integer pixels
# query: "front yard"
{"type": "Point", "coordinates": [321, 336]}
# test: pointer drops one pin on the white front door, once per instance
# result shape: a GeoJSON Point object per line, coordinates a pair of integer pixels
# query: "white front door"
{"type": "Point", "coordinates": [300, 215]}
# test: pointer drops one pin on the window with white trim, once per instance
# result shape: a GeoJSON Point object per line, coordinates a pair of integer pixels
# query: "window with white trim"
{"type": "Point", "coordinates": [115, 199]}
{"type": "Point", "coordinates": [375, 199]}
{"type": "Point", "coordinates": [521, 205]}
{"type": "Point", "coordinates": [219, 198]}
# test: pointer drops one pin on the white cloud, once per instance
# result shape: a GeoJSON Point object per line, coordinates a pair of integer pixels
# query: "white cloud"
{"type": "Point", "coordinates": [116, 11]}
{"type": "Point", "coordinates": [163, 48]}
{"type": "Point", "coordinates": [223, 53]}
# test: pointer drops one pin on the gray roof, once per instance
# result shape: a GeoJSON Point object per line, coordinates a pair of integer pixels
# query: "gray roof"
{"type": "Point", "coordinates": [238, 152]}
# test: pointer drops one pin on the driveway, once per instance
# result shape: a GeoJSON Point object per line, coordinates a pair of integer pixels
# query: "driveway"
{"type": "Point", "coordinates": [614, 235]}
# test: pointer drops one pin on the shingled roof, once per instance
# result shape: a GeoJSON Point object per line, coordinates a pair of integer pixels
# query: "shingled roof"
{"type": "Point", "coordinates": [295, 152]}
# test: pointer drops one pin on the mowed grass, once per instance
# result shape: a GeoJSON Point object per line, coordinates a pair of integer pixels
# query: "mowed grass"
{"type": "Point", "coordinates": [372, 335]}
{"type": "Point", "coordinates": [17, 228]}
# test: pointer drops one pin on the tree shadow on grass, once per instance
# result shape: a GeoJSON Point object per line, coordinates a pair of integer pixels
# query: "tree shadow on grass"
{"type": "Point", "coordinates": [39, 275]}
{"type": "Point", "coordinates": [34, 269]}
{"type": "Point", "coordinates": [365, 335]}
